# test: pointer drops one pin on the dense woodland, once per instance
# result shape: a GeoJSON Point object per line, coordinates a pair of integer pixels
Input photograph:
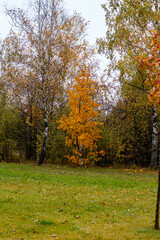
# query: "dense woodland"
{"type": "Point", "coordinates": [57, 107]}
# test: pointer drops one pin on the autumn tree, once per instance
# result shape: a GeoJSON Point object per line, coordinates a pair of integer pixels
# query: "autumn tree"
{"type": "Point", "coordinates": [151, 64]}
{"type": "Point", "coordinates": [81, 126]}
{"type": "Point", "coordinates": [129, 23]}
{"type": "Point", "coordinates": [132, 25]}
{"type": "Point", "coordinates": [45, 50]}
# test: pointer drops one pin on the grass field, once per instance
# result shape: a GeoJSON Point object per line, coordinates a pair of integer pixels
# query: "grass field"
{"type": "Point", "coordinates": [55, 202]}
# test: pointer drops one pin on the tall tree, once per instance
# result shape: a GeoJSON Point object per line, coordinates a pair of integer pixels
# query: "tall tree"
{"type": "Point", "coordinates": [44, 52]}
{"type": "Point", "coordinates": [129, 23]}
{"type": "Point", "coordinates": [152, 66]}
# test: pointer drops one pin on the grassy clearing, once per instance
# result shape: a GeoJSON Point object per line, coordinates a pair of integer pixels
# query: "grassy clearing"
{"type": "Point", "coordinates": [55, 202]}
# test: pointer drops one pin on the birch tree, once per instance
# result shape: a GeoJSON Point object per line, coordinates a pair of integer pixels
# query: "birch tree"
{"type": "Point", "coordinates": [45, 50]}
{"type": "Point", "coordinates": [129, 24]}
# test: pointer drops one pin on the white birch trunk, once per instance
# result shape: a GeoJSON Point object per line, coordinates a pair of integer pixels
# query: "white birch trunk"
{"type": "Point", "coordinates": [44, 144]}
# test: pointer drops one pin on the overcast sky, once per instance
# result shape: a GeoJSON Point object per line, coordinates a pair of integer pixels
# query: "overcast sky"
{"type": "Point", "coordinates": [91, 10]}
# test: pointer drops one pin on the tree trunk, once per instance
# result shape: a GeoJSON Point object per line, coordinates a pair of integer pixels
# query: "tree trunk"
{"type": "Point", "coordinates": [154, 161]}
{"type": "Point", "coordinates": [157, 205]}
{"type": "Point", "coordinates": [2, 156]}
{"type": "Point", "coordinates": [43, 150]}
{"type": "Point", "coordinates": [154, 153]}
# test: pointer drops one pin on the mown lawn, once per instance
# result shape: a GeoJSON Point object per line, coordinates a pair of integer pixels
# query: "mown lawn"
{"type": "Point", "coordinates": [55, 202]}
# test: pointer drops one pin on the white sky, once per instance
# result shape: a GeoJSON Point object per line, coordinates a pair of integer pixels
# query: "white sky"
{"type": "Point", "coordinates": [91, 10]}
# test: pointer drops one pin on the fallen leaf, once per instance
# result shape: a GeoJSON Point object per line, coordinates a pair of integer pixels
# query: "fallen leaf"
{"type": "Point", "coordinates": [54, 235]}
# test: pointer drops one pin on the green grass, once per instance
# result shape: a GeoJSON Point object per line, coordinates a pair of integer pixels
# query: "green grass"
{"type": "Point", "coordinates": [49, 201]}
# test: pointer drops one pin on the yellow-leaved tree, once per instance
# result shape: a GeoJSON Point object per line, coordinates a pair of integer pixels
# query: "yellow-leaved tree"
{"type": "Point", "coordinates": [81, 126]}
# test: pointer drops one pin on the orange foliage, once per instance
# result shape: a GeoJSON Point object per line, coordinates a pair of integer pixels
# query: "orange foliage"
{"type": "Point", "coordinates": [152, 66]}
{"type": "Point", "coordinates": [81, 126]}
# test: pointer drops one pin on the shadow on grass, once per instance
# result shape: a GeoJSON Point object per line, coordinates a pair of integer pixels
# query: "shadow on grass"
{"type": "Point", "coordinates": [150, 232]}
